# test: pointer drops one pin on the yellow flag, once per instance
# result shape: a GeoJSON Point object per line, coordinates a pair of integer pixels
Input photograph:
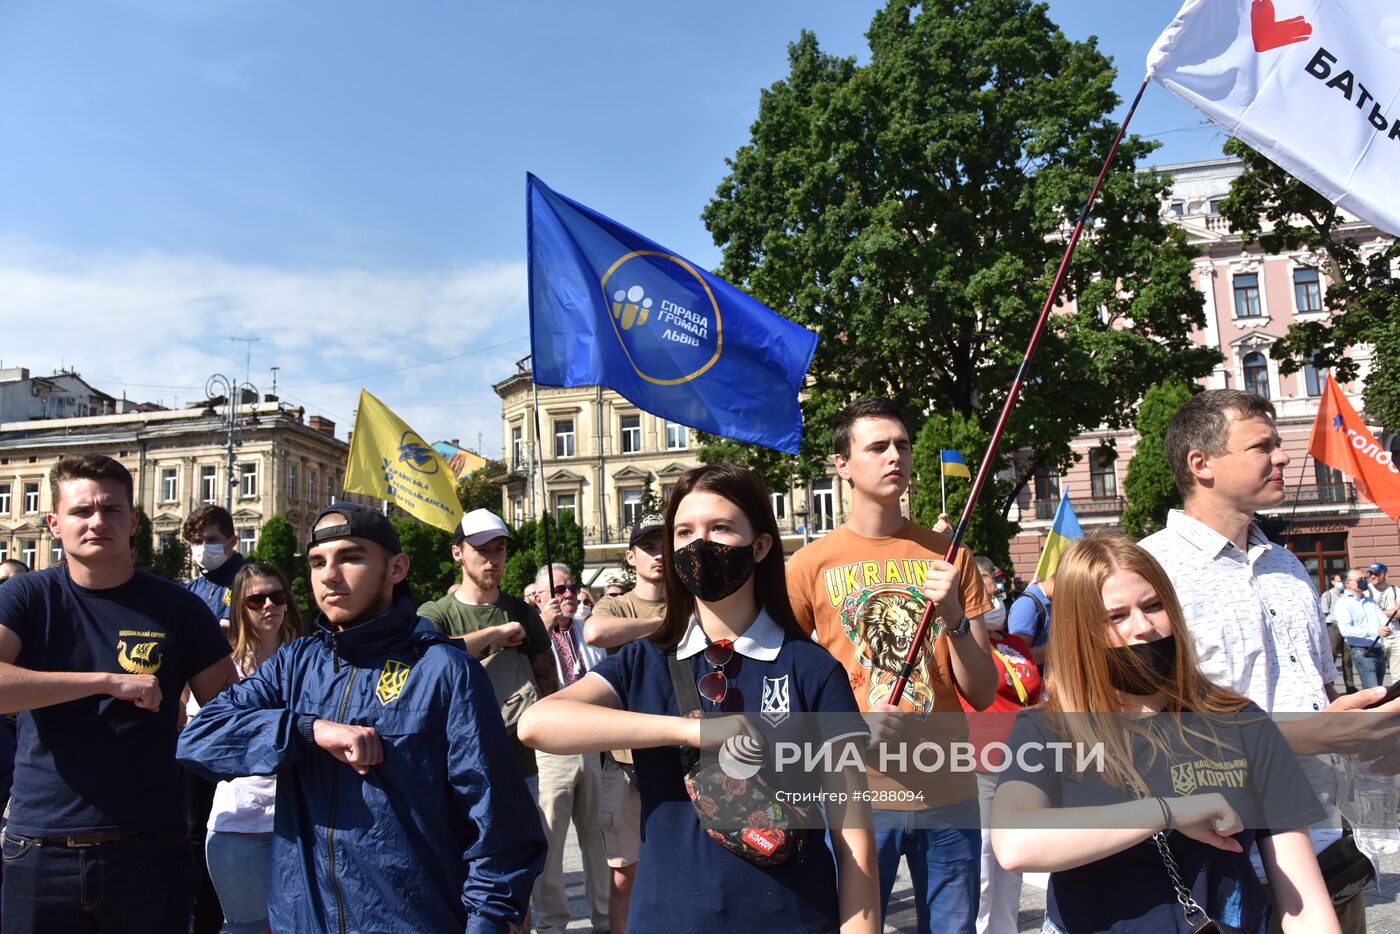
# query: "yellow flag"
{"type": "Point", "coordinates": [390, 461]}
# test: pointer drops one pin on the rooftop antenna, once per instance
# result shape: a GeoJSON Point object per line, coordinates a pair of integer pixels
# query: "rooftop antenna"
{"type": "Point", "coordinates": [274, 381]}
{"type": "Point", "coordinates": [248, 362]}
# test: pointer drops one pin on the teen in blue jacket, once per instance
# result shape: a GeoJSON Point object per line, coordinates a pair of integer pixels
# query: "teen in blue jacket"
{"type": "Point", "coordinates": [399, 804]}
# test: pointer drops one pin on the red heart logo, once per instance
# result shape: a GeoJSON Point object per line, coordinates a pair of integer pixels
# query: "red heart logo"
{"type": "Point", "coordinates": [1270, 33]}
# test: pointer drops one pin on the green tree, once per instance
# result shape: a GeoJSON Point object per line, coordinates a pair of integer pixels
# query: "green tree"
{"type": "Point", "coordinates": [990, 532]}
{"type": "Point", "coordinates": [431, 569]}
{"type": "Point", "coordinates": [477, 490]}
{"type": "Point", "coordinates": [1268, 206]}
{"type": "Point", "coordinates": [1148, 486]}
{"type": "Point", "coordinates": [277, 545]}
{"type": "Point", "coordinates": [172, 560]}
{"type": "Point", "coordinates": [144, 539]}
{"type": "Point", "coordinates": [912, 212]}
{"type": "Point", "coordinates": [526, 554]}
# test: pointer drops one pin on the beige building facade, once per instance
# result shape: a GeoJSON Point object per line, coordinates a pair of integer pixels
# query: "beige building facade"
{"type": "Point", "coordinates": [284, 463]}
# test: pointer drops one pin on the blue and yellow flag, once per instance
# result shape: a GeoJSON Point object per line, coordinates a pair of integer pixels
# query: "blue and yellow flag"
{"type": "Point", "coordinates": [390, 461]}
{"type": "Point", "coordinates": [1063, 530]}
{"type": "Point", "coordinates": [953, 464]}
{"type": "Point", "coordinates": [610, 307]}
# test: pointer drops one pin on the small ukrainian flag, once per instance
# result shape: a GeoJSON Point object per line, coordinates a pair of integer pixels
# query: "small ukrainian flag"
{"type": "Point", "coordinates": [1063, 530]}
{"type": "Point", "coordinates": [953, 464]}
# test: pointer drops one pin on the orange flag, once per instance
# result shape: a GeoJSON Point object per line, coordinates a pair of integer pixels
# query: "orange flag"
{"type": "Point", "coordinates": [1340, 440]}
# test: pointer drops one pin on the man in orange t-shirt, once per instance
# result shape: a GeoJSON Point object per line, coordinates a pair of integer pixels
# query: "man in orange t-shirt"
{"type": "Point", "coordinates": [861, 590]}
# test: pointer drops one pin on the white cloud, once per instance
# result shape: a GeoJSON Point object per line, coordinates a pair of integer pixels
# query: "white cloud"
{"type": "Point", "coordinates": [156, 325]}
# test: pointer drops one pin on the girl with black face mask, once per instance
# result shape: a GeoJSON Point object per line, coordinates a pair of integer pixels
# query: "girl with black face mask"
{"type": "Point", "coordinates": [1155, 833]}
{"type": "Point", "coordinates": [730, 631]}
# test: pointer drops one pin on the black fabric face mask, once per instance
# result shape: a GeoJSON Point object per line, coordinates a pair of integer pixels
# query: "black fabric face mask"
{"type": "Point", "coordinates": [1143, 668]}
{"type": "Point", "coordinates": [711, 571]}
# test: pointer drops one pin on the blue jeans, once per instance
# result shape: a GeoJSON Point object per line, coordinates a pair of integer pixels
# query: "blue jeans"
{"type": "Point", "coordinates": [1369, 665]}
{"type": "Point", "coordinates": [943, 847]}
{"type": "Point", "coordinates": [240, 865]}
{"type": "Point", "coordinates": [143, 884]}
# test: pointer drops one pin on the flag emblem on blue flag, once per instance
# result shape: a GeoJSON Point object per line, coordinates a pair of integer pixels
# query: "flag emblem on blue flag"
{"type": "Point", "coordinates": [610, 307]}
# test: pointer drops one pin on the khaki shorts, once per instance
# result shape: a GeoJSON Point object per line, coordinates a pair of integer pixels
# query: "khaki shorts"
{"type": "Point", "coordinates": [619, 814]}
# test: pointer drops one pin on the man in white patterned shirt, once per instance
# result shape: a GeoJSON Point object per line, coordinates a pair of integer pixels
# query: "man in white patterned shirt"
{"type": "Point", "coordinates": [1251, 606]}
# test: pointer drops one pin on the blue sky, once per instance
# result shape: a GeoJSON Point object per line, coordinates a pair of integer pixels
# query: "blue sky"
{"type": "Point", "coordinates": [345, 180]}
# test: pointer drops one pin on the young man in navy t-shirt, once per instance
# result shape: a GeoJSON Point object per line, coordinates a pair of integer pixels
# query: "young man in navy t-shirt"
{"type": "Point", "coordinates": [94, 655]}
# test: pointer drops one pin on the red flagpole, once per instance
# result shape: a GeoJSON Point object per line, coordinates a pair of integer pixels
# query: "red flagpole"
{"type": "Point", "coordinates": [1011, 397]}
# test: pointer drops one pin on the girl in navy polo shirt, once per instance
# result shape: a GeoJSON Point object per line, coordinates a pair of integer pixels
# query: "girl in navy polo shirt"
{"type": "Point", "coordinates": [1191, 771]}
{"type": "Point", "coordinates": [728, 620]}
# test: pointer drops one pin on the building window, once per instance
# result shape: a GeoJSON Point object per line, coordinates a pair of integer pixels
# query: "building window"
{"type": "Point", "coordinates": [1247, 303]}
{"type": "Point", "coordinates": [4, 499]}
{"type": "Point", "coordinates": [1047, 485]}
{"type": "Point", "coordinates": [823, 505]}
{"type": "Point", "coordinates": [4, 549]}
{"type": "Point", "coordinates": [1331, 488]}
{"type": "Point", "coordinates": [247, 539]}
{"type": "Point", "coordinates": [330, 489]}
{"type": "Point", "coordinates": [248, 480]}
{"type": "Point", "coordinates": [666, 490]}
{"type": "Point", "coordinates": [631, 426]}
{"type": "Point", "coordinates": [1256, 374]}
{"type": "Point", "coordinates": [779, 505]}
{"type": "Point", "coordinates": [1103, 483]}
{"type": "Point", "coordinates": [517, 447]}
{"type": "Point", "coordinates": [1213, 206]}
{"type": "Point", "coordinates": [565, 502]}
{"type": "Point", "coordinates": [675, 437]}
{"type": "Point", "coordinates": [1314, 379]}
{"type": "Point", "coordinates": [169, 485]}
{"type": "Point", "coordinates": [631, 507]}
{"type": "Point", "coordinates": [1322, 555]}
{"type": "Point", "coordinates": [292, 481]}
{"type": "Point", "coordinates": [1178, 208]}
{"type": "Point", "coordinates": [564, 437]}
{"type": "Point", "coordinates": [31, 500]}
{"type": "Point", "coordinates": [517, 508]}
{"type": "Point", "coordinates": [28, 548]}
{"type": "Point", "coordinates": [1307, 290]}
{"type": "Point", "coordinates": [311, 486]}
{"type": "Point", "coordinates": [208, 488]}
{"type": "Point", "coordinates": [55, 551]}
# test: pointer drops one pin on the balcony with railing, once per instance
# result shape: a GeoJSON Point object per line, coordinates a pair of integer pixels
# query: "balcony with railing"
{"type": "Point", "coordinates": [1339, 496]}
{"type": "Point", "coordinates": [1086, 507]}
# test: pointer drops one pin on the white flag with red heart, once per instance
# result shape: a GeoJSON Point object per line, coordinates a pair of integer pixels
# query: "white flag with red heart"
{"type": "Point", "coordinates": [1314, 85]}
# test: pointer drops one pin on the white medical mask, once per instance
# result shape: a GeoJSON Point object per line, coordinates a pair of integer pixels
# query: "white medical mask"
{"type": "Point", "coordinates": [995, 618]}
{"type": "Point", "coordinates": [209, 557]}
{"type": "Point", "coordinates": [1339, 586]}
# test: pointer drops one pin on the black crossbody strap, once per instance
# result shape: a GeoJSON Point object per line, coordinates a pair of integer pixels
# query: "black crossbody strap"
{"type": "Point", "coordinates": [687, 701]}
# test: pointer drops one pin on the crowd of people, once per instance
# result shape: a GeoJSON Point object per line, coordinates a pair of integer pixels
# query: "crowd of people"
{"type": "Point", "coordinates": [185, 758]}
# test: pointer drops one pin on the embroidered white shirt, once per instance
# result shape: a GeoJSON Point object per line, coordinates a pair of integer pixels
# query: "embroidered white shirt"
{"type": "Point", "coordinates": [1253, 615]}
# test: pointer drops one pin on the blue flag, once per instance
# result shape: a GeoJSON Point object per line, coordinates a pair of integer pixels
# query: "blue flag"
{"type": "Point", "coordinates": [610, 307]}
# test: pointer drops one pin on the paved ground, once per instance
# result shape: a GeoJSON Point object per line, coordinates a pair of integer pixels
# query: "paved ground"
{"type": "Point", "coordinates": [1382, 900]}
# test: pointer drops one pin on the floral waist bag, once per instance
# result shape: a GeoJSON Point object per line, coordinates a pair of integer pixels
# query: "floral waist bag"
{"type": "Point", "coordinates": [741, 814]}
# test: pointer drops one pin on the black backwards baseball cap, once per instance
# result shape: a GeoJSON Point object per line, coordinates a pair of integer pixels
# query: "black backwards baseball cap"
{"type": "Point", "coordinates": [360, 522]}
{"type": "Point", "coordinates": [647, 524]}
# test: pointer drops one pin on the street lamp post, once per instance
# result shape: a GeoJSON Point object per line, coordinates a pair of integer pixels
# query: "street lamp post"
{"type": "Point", "coordinates": [231, 390]}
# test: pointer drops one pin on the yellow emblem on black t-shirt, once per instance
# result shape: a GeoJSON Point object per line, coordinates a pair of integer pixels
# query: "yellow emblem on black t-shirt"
{"type": "Point", "coordinates": [141, 658]}
{"type": "Point", "coordinates": [228, 595]}
{"type": "Point", "coordinates": [391, 682]}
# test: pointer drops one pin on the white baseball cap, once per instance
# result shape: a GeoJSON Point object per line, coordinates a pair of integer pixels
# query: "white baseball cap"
{"type": "Point", "coordinates": [479, 527]}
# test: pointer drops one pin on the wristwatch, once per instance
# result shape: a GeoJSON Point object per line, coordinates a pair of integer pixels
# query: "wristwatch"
{"type": "Point", "coordinates": [963, 628]}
